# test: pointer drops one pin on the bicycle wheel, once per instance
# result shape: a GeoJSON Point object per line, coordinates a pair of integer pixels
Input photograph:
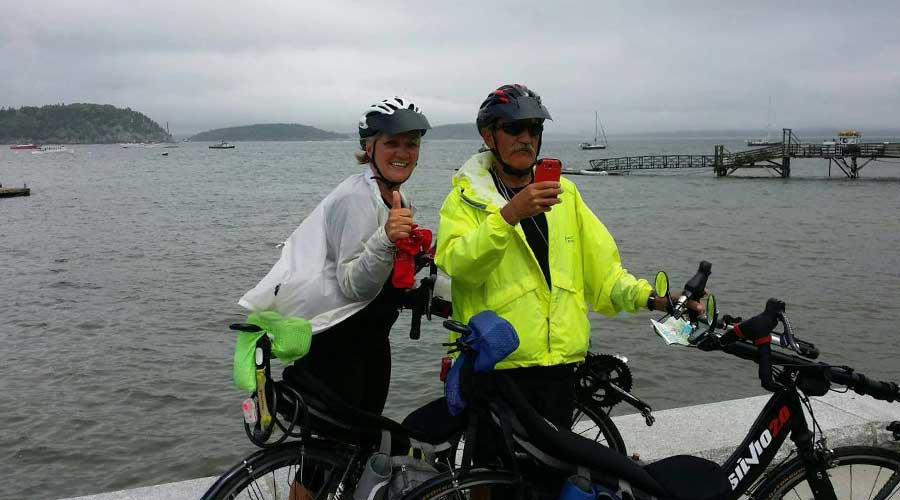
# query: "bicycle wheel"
{"type": "Point", "coordinates": [270, 474]}
{"type": "Point", "coordinates": [856, 472]}
{"type": "Point", "coordinates": [589, 420]}
{"type": "Point", "coordinates": [473, 484]}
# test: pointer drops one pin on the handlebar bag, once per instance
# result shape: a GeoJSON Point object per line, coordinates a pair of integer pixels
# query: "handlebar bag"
{"type": "Point", "coordinates": [492, 338]}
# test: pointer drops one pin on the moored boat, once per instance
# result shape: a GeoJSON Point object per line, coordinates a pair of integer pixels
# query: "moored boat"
{"type": "Point", "coordinates": [8, 192]}
{"type": "Point", "coordinates": [768, 140]}
{"type": "Point", "coordinates": [596, 144]}
{"type": "Point", "coordinates": [222, 145]}
{"type": "Point", "coordinates": [762, 142]}
{"type": "Point", "coordinates": [845, 137]}
{"type": "Point", "coordinates": [51, 149]}
{"type": "Point", "coordinates": [25, 146]}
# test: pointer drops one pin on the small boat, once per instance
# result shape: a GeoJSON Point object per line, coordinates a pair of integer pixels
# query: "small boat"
{"type": "Point", "coordinates": [7, 192]}
{"type": "Point", "coordinates": [222, 145]}
{"type": "Point", "coordinates": [51, 149]}
{"type": "Point", "coordinates": [596, 144]}
{"type": "Point", "coordinates": [762, 142]}
{"type": "Point", "coordinates": [25, 146]}
{"type": "Point", "coordinates": [845, 137]}
{"type": "Point", "coordinates": [768, 140]}
{"type": "Point", "coordinates": [592, 172]}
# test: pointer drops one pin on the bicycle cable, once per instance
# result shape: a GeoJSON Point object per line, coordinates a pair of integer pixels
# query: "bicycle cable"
{"type": "Point", "coordinates": [808, 404]}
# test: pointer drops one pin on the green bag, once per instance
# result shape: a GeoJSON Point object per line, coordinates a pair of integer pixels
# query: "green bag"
{"type": "Point", "coordinates": [290, 336]}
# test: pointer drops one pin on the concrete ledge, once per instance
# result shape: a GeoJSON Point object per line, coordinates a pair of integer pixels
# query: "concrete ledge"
{"type": "Point", "coordinates": [714, 430]}
{"type": "Point", "coordinates": [711, 431]}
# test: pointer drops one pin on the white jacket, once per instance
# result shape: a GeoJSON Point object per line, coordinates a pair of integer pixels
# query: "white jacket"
{"type": "Point", "coordinates": [335, 262]}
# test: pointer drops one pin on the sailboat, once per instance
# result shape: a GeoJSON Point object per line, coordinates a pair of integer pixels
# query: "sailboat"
{"type": "Point", "coordinates": [768, 140]}
{"type": "Point", "coordinates": [596, 144]}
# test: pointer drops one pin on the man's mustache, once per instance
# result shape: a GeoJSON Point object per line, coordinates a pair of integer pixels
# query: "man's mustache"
{"type": "Point", "coordinates": [523, 147]}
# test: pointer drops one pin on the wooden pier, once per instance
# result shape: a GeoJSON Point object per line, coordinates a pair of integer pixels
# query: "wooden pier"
{"type": "Point", "coordinates": [849, 158]}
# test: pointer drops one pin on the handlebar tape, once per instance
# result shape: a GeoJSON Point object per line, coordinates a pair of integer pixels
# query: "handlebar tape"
{"type": "Point", "coordinates": [759, 329]}
{"type": "Point", "coordinates": [760, 326]}
{"type": "Point", "coordinates": [697, 284]}
{"type": "Point", "coordinates": [885, 391]}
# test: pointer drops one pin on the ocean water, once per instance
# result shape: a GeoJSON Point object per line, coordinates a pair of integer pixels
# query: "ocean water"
{"type": "Point", "coordinates": [120, 274]}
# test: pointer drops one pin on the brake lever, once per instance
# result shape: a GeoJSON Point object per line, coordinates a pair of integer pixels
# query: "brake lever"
{"type": "Point", "coordinates": [788, 336]}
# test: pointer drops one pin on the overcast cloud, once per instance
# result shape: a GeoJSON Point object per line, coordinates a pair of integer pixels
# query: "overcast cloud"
{"type": "Point", "coordinates": [645, 66]}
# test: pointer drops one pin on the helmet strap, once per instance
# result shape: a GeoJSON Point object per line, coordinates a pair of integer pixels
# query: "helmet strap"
{"type": "Point", "coordinates": [380, 177]}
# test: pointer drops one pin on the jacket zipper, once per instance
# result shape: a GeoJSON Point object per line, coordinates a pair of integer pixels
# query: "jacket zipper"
{"type": "Point", "coordinates": [549, 349]}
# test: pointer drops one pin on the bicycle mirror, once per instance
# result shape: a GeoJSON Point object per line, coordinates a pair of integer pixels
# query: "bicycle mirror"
{"type": "Point", "coordinates": [711, 313]}
{"type": "Point", "coordinates": [662, 284]}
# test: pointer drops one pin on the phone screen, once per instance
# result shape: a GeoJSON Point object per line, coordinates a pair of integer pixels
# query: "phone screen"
{"type": "Point", "coordinates": [547, 169]}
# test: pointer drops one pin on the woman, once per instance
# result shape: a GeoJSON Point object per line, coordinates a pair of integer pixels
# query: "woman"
{"type": "Point", "coordinates": [335, 269]}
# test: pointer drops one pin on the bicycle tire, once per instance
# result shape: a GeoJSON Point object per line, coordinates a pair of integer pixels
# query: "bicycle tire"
{"type": "Point", "coordinates": [600, 429]}
{"type": "Point", "coordinates": [456, 486]}
{"type": "Point", "coordinates": [268, 473]}
{"type": "Point", "coordinates": [855, 472]}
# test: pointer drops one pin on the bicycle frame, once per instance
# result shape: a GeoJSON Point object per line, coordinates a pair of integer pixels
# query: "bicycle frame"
{"type": "Point", "coordinates": [783, 414]}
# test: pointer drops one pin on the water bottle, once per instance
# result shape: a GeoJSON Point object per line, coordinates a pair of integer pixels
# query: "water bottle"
{"type": "Point", "coordinates": [374, 479]}
{"type": "Point", "coordinates": [581, 488]}
{"type": "Point", "coordinates": [577, 488]}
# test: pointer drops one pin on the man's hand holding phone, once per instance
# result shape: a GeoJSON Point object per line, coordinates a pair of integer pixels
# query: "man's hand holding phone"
{"type": "Point", "coordinates": [537, 197]}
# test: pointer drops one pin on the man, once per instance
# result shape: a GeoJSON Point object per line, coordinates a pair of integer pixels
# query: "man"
{"type": "Point", "coordinates": [531, 251]}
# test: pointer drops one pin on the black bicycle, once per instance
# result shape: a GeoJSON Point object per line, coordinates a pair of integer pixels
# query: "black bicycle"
{"type": "Point", "coordinates": [310, 437]}
{"type": "Point", "coordinates": [305, 429]}
{"type": "Point", "coordinates": [813, 470]}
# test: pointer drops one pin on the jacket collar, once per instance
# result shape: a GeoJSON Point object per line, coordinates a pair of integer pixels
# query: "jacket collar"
{"type": "Point", "coordinates": [368, 175]}
{"type": "Point", "coordinates": [475, 185]}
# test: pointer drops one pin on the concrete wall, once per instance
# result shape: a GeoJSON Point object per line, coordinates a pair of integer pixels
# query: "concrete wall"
{"type": "Point", "coordinates": [712, 431]}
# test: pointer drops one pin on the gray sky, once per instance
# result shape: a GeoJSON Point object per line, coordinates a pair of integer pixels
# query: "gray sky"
{"type": "Point", "coordinates": [645, 66]}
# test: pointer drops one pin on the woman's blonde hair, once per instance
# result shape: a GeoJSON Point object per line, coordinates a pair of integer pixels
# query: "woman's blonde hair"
{"type": "Point", "coordinates": [362, 157]}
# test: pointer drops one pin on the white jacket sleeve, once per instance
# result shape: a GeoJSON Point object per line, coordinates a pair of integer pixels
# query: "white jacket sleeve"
{"type": "Point", "coordinates": [363, 254]}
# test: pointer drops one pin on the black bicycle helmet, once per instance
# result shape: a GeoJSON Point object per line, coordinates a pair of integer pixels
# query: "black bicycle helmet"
{"type": "Point", "coordinates": [513, 102]}
{"type": "Point", "coordinates": [392, 116]}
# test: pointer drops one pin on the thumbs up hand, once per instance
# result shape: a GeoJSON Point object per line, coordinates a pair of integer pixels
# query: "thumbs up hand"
{"type": "Point", "coordinates": [400, 221]}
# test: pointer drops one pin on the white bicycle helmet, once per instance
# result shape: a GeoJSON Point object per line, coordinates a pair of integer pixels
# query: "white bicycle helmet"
{"type": "Point", "coordinates": [392, 116]}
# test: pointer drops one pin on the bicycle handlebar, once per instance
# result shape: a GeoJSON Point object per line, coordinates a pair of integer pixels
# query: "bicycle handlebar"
{"type": "Point", "coordinates": [752, 339]}
{"type": "Point", "coordinates": [842, 375]}
{"type": "Point", "coordinates": [693, 289]}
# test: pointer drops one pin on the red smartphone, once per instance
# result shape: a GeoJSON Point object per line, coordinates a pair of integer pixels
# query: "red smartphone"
{"type": "Point", "coordinates": [547, 169]}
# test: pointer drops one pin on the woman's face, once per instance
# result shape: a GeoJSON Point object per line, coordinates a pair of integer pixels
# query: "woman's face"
{"type": "Point", "coordinates": [396, 155]}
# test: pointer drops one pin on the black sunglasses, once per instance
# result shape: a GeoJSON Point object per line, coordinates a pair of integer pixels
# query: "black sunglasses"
{"type": "Point", "coordinates": [517, 127]}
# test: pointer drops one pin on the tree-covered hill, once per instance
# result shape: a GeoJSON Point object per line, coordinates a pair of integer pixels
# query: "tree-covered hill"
{"type": "Point", "coordinates": [453, 131]}
{"type": "Point", "coordinates": [78, 124]}
{"type": "Point", "coordinates": [268, 132]}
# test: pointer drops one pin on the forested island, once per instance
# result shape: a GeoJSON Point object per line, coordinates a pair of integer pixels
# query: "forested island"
{"type": "Point", "coordinates": [453, 131]}
{"type": "Point", "coordinates": [77, 124]}
{"type": "Point", "coordinates": [268, 132]}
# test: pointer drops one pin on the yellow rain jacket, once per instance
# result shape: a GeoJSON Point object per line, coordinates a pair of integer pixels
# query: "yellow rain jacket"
{"type": "Point", "coordinates": [492, 267]}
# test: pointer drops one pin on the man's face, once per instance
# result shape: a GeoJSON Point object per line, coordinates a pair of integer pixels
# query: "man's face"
{"type": "Point", "coordinates": [516, 141]}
